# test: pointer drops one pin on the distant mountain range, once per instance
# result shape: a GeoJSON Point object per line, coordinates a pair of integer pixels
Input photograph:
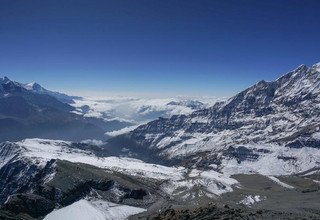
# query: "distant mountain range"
{"type": "Point", "coordinates": [29, 110]}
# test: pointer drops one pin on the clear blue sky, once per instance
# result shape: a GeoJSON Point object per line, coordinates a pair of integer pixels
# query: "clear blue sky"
{"type": "Point", "coordinates": [148, 46]}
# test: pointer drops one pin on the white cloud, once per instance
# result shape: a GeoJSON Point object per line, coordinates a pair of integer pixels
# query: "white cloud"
{"type": "Point", "coordinates": [138, 110]}
{"type": "Point", "coordinates": [121, 131]}
{"type": "Point", "coordinates": [93, 142]}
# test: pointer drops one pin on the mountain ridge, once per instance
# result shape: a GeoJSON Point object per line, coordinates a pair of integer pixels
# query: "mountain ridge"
{"type": "Point", "coordinates": [278, 113]}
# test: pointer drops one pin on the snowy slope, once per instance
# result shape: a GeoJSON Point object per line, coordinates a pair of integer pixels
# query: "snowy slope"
{"type": "Point", "coordinates": [39, 152]}
{"type": "Point", "coordinates": [94, 210]}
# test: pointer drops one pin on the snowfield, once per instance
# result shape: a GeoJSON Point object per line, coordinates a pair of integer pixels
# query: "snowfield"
{"type": "Point", "coordinates": [271, 157]}
{"type": "Point", "coordinates": [276, 180]}
{"type": "Point", "coordinates": [271, 163]}
{"type": "Point", "coordinates": [94, 210]}
{"type": "Point", "coordinates": [42, 151]}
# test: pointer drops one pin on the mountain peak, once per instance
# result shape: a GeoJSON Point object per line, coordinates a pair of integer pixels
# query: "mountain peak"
{"type": "Point", "coordinates": [301, 67]}
{"type": "Point", "coordinates": [261, 83]}
{"type": "Point", "coordinates": [34, 86]}
{"type": "Point", "coordinates": [300, 70]}
{"type": "Point", "coordinates": [297, 72]}
{"type": "Point", "coordinates": [4, 79]}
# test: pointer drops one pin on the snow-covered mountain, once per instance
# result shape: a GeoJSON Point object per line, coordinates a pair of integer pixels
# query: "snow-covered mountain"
{"type": "Point", "coordinates": [36, 88]}
{"type": "Point", "coordinates": [269, 128]}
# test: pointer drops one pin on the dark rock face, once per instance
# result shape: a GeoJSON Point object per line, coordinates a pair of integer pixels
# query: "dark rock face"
{"type": "Point", "coordinates": [136, 194]}
{"type": "Point", "coordinates": [15, 177]}
{"type": "Point", "coordinates": [302, 142]}
{"type": "Point", "coordinates": [225, 212]}
{"type": "Point", "coordinates": [241, 153]}
{"type": "Point", "coordinates": [31, 204]}
{"type": "Point", "coordinates": [19, 176]}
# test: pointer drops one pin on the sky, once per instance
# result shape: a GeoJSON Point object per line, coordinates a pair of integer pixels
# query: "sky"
{"type": "Point", "coordinates": [176, 47]}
